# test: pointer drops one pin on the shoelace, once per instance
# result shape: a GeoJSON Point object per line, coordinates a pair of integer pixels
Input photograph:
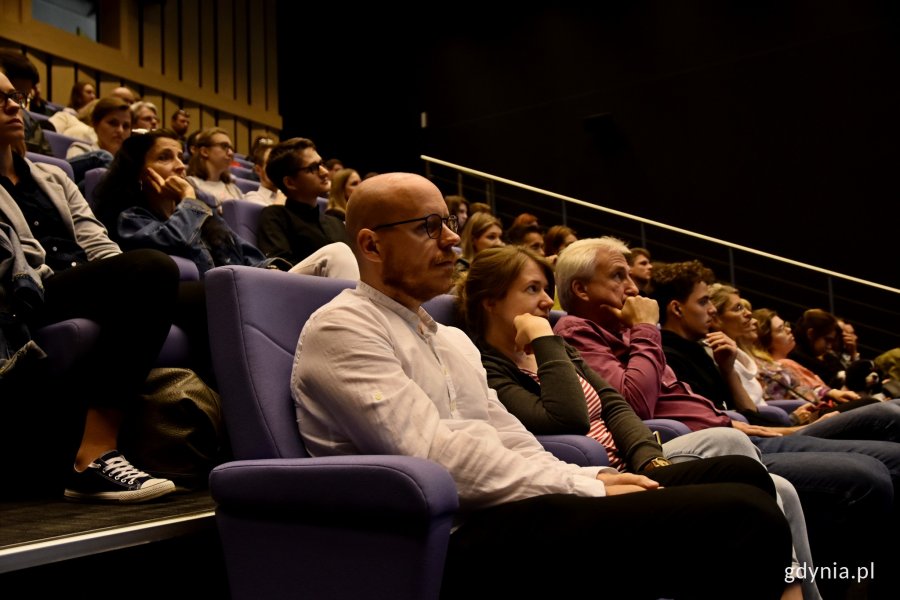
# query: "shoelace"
{"type": "Point", "coordinates": [122, 470]}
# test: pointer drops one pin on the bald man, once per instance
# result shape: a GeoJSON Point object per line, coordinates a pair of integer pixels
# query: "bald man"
{"type": "Point", "coordinates": [374, 374]}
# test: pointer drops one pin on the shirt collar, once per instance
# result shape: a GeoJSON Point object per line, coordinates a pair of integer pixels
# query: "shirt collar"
{"type": "Point", "coordinates": [420, 320]}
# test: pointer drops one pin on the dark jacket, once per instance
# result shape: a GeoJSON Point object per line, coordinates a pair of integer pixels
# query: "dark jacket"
{"type": "Point", "coordinates": [294, 231]}
{"type": "Point", "coordinates": [558, 406]}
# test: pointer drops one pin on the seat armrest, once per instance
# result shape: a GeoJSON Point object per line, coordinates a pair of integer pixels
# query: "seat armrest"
{"type": "Point", "coordinates": [787, 406]}
{"type": "Point", "coordinates": [736, 416]}
{"type": "Point", "coordinates": [187, 270]}
{"type": "Point", "coordinates": [668, 429]}
{"type": "Point", "coordinates": [340, 485]}
{"type": "Point", "coordinates": [576, 449]}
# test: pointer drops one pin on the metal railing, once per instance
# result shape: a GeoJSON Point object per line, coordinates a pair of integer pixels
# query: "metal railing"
{"type": "Point", "coordinates": [786, 285]}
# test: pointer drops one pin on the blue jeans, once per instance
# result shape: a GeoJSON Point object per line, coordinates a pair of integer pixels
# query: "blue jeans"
{"type": "Point", "coordinates": [846, 488]}
{"type": "Point", "coordinates": [873, 422]}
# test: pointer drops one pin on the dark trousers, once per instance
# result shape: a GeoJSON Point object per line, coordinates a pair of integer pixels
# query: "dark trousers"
{"type": "Point", "coordinates": [132, 298]}
{"type": "Point", "coordinates": [693, 539]}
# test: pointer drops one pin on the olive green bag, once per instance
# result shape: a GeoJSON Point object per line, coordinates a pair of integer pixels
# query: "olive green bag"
{"type": "Point", "coordinates": [176, 429]}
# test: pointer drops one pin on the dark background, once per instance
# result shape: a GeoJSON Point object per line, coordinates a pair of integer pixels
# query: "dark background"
{"type": "Point", "coordinates": [770, 124]}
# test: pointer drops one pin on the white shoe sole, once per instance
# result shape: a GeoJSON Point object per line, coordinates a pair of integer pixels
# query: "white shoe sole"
{"type": "Point", "coordinates": [146, 493]}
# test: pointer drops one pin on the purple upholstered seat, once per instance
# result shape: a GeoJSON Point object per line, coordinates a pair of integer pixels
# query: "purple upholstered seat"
{"type": "Point", "coordinates": [338, 527]}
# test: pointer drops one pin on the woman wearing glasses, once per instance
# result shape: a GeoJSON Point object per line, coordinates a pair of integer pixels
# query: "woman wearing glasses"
{"type": "Point", "coordinates": [62, 427]}
{"type": "Point", "coordinates": [209, 169]}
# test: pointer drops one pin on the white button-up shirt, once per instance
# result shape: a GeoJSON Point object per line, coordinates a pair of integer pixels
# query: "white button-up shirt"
{"type": "Point", "coordinates": [372, 377]}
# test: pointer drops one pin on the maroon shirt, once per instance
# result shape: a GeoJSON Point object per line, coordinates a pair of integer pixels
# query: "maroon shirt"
{"type": "Point", "coordinates": [633, 362]}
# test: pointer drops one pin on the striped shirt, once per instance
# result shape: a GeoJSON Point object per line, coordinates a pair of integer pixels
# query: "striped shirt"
{"type": "Point", "coordinates": [598, 429]}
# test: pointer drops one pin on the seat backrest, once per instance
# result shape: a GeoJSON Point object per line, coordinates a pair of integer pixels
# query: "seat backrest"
{"type": "Point", "coordinates": [91, 178]}
{"type": "Point", "coordinates": [255, 319]}
{"type": "Point", "coordinates": [59, 143]}
{"type": "Point", "coordinates": [243, 172]}
{"type": "Point", "coordinates": [243, 218]}
{"type": "Point", "coordinates": [38, 116]}
{"type": "Point", "coordinates": [246, 185]}
{"type": "Point", "coordinates": [52, 160]}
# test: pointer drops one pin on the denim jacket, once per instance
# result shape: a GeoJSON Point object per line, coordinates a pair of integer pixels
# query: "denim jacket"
{"type": "Point", "coordinates": [182, 235]}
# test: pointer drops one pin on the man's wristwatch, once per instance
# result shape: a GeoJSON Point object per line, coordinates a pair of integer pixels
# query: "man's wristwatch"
{"type": "Point", "coordinates": [655, 463]}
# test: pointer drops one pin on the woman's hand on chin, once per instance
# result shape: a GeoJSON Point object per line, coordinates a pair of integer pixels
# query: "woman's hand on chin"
{"type": "Point", "coordinates": [528, 328]}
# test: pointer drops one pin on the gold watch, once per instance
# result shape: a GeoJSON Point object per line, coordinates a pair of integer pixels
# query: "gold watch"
{"type": "Point", "coordinates": [656, 463]}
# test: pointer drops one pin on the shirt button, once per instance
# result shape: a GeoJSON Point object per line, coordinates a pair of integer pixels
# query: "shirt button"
{"type": "Point", "coordinates": [37, 223]}
{"type": "Point", "coordinates": [54, 248]}
{"type": "Point", "coordinates": [74, 264]}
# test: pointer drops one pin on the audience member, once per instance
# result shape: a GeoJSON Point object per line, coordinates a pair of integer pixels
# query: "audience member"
{"type": "Point", "coordinates": [483, 231]}
{"type": "Point", "coordinates": [459, 206]}
{"type": "Point", "coordinates": [70, 121]}
{"type": "Point", "coordinates": [209, 168]}
{"type": "Point", "coordinates": [525, 219]}
{"type": "Point", "coordinates": [544, 382]}
{"type": "Point", "coordinates": [125, 93]}
{"type": "Point", "coordinates": [299, 232]}
{"type": "Point", "coordinates": [477, 207]}
{"type": "Point", "coordinates": [180, 123]}
{"type": "Point", "coordinates": [342, 185]}
{"type": "Point", "coordinates": [527, 236]}
{"type": "Point", "coordinates": [616, 332]}
{"type": "Point", "coordinates": [24, 76]}
{"type": "Point", "coordinates": [818, 335]}
{"type": "Point", "coordinates": [267, 193]}
{"type": "Point", "coordinates": [144, 115]}
{"type": "Point", "coordinates": [333, 165]}
{"type": "Point", "coordinates": [65, 267]}
{"type": "Point", "coordinates": [640, 268]}
{"type": "Point", "coordinates": [784, 379]}
{"type": "Point", "coordinates": [558, 238]}
{"type": "Point", "coordinates": [147, 203]}
{"type": "Point", "coordinates": [431, 400]}
{"type": "Point", "coordinates": [111, 120]}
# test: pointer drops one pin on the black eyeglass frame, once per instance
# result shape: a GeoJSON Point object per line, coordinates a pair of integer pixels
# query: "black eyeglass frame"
{"type": "Point", "coordinates": [451, 222]}
{"type": "Point", "coordinates": [312, 169]}
{"type": "Point", "coordinates": [16, 96]}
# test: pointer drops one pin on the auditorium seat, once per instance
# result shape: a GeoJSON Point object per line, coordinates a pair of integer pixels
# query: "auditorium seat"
{"type": "Point", "coordinates": [52, 160]}
{"type": "Point", "coordinates": [59, 143]}
{"type": "Point", "coordinates": [291, 525]}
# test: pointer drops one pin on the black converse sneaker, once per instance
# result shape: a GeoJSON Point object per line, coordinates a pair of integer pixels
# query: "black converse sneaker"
{"type": "Point", "coordinates": [111, 478]}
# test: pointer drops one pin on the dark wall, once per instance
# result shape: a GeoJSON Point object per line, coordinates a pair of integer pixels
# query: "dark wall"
{"type": "Point", "coordinates": [771, 124]}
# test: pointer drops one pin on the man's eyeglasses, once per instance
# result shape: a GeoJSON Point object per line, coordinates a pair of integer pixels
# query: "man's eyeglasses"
{"type": "Point", "coordinates": [16, 96]}
{"type": "Point", "coordinates": [434, 224]}
{"type": "Point", "coordinates": [312, 169]}
{"type": "Point", "coordinates": [226, 146]}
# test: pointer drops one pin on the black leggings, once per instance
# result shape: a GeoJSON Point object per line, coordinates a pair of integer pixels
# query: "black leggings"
{"type": "Point", "coordinates": [132, 298]}
{"type": "Point", "coordinates": [689, 540]}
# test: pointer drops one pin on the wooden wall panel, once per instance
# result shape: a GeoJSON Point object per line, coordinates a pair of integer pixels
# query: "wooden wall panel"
{"type": "Point", "coordinates": [168, 108]}
{"type": "Point", "coordinates": [226, 47]}
{"type": "Point", "coordinates": [242, 136]}
{"type": "Point", "coordinates": [241, 67]}
{"type": "Point", "coordinates": [271, 62]}
{"type": "Point", "coordinates": [152, 38]}
{"type": "Point", "coordinates": [62, 78]}
{"type": "Point", "coordinates": [227, 123]}
{"type": "Point", "coordinates": [190, 51]}
{"type": "Point", "coordinates": [207, 118]}
{"type": "Point", "coordinates": [107, 83]}
{"type": "Point", "coordinates": [170, 26]}
{"type": "Point", "coordinates": [217, 58]}
{"type": "Point", "coordinates": [207, 46]}
{"type": "Point", "coordinates": [258, 56]}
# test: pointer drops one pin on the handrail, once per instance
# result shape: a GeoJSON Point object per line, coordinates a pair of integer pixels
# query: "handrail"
{"type": "Point", "coordinates": [619, 213]}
